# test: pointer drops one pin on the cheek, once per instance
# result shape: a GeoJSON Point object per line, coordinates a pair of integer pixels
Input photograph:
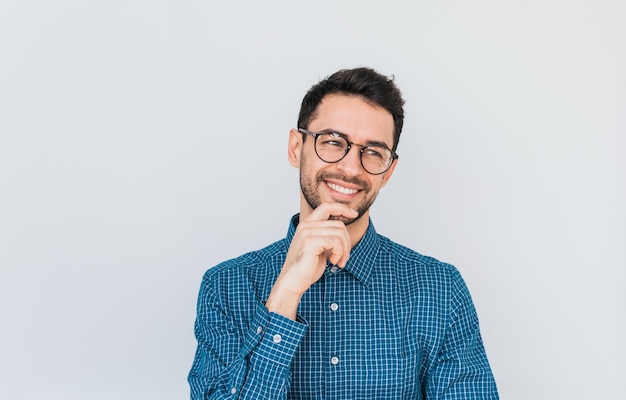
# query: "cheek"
{"type": "Point", "coordinates": [311, 164]}
{"type": "Point", "coordinates": [384, 178]}
{"type": "Point", "coordinates": [305, 166]}
{"type": "Point", "coordinates": [378, 183]}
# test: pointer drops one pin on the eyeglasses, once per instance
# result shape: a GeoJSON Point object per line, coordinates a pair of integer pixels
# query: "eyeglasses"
{"type": "Point", "coordinates": [332, 147]}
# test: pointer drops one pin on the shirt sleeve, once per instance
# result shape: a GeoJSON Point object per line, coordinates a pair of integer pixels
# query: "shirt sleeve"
{"type": "Point", "coordinates": [236, 363]}
{"type": "Point", "coordinates": [461, 369]}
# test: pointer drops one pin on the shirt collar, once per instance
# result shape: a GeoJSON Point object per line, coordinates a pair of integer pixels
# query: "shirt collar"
{"type": "Point", "coordinates": [362, 256]}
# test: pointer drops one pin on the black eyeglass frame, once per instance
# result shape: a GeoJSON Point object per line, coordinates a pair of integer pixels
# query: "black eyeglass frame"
{"type": "Point", "coordinates": [315, 135]}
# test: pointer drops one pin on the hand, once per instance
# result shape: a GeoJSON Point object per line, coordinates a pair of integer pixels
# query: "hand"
{"type": "Point", "coordinates": [317, 240]}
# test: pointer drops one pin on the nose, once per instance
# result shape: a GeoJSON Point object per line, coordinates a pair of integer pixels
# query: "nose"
{"type": "Point", "coordinates": [350, 164]}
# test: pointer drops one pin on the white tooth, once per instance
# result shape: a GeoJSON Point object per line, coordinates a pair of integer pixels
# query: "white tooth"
{"type": "Point", "coordinates": [342, 189]}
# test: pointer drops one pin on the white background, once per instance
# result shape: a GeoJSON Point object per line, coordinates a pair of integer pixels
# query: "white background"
{"type": "Point", "coordinates": [142, 142]}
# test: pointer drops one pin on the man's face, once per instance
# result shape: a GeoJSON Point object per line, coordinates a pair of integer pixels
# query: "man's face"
{"type": "Point", "coordinates": [345, 181]}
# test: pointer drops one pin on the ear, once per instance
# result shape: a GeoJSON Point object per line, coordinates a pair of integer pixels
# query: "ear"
{"type": "Point", "coordinates": [294, 148]}
{"type": "Point", "coordinates": [389, 172]}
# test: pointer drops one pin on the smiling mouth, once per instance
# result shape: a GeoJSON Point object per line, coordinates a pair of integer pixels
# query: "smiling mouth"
{"type": "Point", "coordinates": [341, 189]}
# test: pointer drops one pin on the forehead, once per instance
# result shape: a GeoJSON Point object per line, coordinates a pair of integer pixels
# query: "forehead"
{"type": "Point", "coordinates": [361, 121]}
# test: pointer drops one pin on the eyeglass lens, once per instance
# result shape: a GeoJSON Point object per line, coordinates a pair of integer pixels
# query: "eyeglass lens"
{"type": "Point", "coordinates": [332, 147]}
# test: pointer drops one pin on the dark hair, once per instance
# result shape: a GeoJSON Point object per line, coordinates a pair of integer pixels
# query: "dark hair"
{"type": "Point", "coordinates": [374, 88]}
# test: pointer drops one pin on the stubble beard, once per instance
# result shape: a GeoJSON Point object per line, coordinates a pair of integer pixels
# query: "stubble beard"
{"type": "Point", "coordinates": [309, 186]}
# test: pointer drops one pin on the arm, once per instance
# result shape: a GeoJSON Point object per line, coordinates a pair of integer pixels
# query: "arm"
{"type": "Point", "coordinates": [461, 370]}
{"type": "Point", "coordinates": [253, 362]}
{"type": "Point", "coordinates": [231, 364]}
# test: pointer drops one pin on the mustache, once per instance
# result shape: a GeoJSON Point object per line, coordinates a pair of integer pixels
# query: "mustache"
{"type": "Point", "coordinates": [341, 177]}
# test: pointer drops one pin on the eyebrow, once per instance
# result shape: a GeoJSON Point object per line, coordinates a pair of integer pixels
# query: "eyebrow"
{"type": "Point", "coordinates": [368, 143]}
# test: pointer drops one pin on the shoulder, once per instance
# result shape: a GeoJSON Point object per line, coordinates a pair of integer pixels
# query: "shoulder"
{"type": "Point", "coordinates": [252, 268]}
{"type": "Point", "coordinates": [417, 270]}
{"type": "Point", "coordinates": [405, 255]}
{"type": "Point", "coordinates": [234, 288]}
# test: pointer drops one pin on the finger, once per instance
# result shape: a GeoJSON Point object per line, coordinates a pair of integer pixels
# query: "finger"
{"type": "Point", "coordinates": [347, 247]}
{"type": "Point", "coordinates": [326, 210]}
{"type": "Point", "coordinates": [328, 238]}
{"type": "Point", "coordinates": [338, 251]}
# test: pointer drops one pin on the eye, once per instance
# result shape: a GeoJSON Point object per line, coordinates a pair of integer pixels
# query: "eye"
{"type": "Point", "coordinates": [332, 140]}
{"type": "Point", "coordinates": [374, 152]}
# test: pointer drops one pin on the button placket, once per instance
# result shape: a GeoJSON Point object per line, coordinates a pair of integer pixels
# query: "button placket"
{"type": "Point", "coordinates": [333, 349]}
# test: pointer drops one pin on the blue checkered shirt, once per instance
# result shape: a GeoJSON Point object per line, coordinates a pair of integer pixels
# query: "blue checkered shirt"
{"type": "Point", "coordinates": [393, 324]}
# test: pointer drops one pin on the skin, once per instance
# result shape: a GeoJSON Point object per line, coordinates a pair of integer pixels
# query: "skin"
{"type": "Point", "coordinates": [331, 222]}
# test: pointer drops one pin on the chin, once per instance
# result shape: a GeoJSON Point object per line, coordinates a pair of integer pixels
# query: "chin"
{"type": "Point", "coordinates": [346, 221]}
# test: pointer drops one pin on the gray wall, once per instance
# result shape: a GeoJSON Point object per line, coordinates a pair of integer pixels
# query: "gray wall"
{"type": "Point", "coordinates": [142, 142]}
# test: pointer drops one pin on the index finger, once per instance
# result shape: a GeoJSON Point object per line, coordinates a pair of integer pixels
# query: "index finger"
{"type": "Point", "coordinates": [326, 210]}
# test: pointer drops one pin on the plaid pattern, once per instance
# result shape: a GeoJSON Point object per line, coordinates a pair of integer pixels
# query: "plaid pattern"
{"type": "Point", "coordinates": [393, 324]}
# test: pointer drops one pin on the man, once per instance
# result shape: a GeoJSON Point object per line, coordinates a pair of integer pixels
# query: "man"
{"type": "Point", "coordinates": [334, 310]}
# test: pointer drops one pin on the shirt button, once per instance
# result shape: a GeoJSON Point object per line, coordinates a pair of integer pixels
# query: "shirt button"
{"type": "Point", "coordinates": [334, 306]}
{"type": "Point", "coordinates": [233, 390]}
{"type": "Point", "coordinates": [259, 330]}
{"type": "Point", "coordinates": [277, 338]}
{"type": "Point", "coordinates": [334, 269]}
{"type": "Point", "coordinates": [334, 360]}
